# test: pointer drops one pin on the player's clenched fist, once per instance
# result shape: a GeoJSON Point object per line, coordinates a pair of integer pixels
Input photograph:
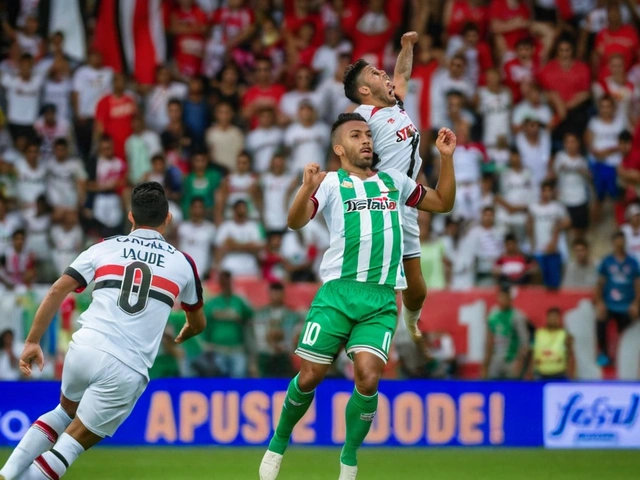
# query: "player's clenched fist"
{"type": "Point", "coordinates": [446, 142]}
{"type": "Point", "coordinates": [409, 39]}
{"type": "Point", "coordinates": [312, 175]}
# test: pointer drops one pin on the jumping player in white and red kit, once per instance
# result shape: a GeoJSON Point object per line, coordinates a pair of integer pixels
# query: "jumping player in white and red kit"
{"type": "Point", "coordinates": [138, 277]}
{"type": "Point", "coordinates": [396, 142]}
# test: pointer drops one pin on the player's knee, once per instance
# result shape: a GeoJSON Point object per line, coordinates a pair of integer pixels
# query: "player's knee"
{"type": "Point", "coordinates": [366, 380]}
{"type": "Point", "coordinates": [310, 376]}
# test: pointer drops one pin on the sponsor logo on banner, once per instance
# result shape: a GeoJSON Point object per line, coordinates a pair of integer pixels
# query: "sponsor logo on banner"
{"type": "Point", "coordinates": [591, 416]}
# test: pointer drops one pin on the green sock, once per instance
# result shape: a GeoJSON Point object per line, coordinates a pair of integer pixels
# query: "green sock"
{"type": "Point", "coordinates": [295, 406]}
{"type": "Point", "coordinates": [359, 414]}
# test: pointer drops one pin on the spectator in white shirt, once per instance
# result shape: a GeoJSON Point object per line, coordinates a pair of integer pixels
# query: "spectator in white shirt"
{"type": "Point", "coordinates": [534, 145]}
{"type": "Point", "coordinates": [547, 220]}
{"type": "Point", "coordinates": [325, 60]}
{"type": "Point", "coordinates": [515, 194]}
{"type": "Point", "coordinates": [486, 244]}
{"type": "Point", "coordinates": [276, 186]}
{"type": "Point", "coordinates": [444, 81]}
{"type": "Point", "coordinates": [331, 91]}
{"type": "Point", "coordinates": [266, 140]}
{"type": "Point", "coordinates": [66, 180]}
{"type": "Point", "coordinates": [302, 251]}
{"type": "Point", "coordinates": [467, 159]}
{"type": "Point", "coordinates": [238, 243]}
{"type": "Point", "coordinates": [291, 101]}
{"type": "Point", "coordinates": [601, 139]}
{"type": "Point", "coordinates": [67, 239]}
{"type": "Point", "coordinates": [307, 139]}
{"type": "Point", "coordinates": [458, 259]}
{"type": "Point", "coordinates": [532, 107]}
{"type": "Point", "coordinates": [23, 97]}
{"type": "Point", "coordinates": [571, 170]}
{"type": "Point", "coordinates": [197, 237]}
{"type": "Point", "coordinates": [31, 177]}
{"type": "Point", "coordinates": [57, 87]}
{"type": "Point", "coordinates": [157, 100]}
{"type": "Point", "coordinates": [631, 230]}
{"type": "Point", "coordinates": [494, 104]}
{"type": "Point", "coordinates": [91, 82]}
{"type": "Point", "coordinates": [9, 223]}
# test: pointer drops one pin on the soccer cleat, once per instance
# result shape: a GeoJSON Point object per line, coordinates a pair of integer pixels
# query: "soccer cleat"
{"type": "Point", "coordinates": [270, 466]}
{"type": "Point", "coordinates": [347, 472]}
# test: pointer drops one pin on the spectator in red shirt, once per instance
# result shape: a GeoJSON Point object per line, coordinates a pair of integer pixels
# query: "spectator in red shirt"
{"type": "Point", "coordinates": [114, 115]}
{"type": "Point", "coordinates": [616, 38]}
{"type": "Point", "coordinates": [513, 266]}
{"type": "Point", "coordinates": [616, 85]}
{"type": "Point", "coordinates": [300, 48]}
{"type": "Point", "coordinates": [302, 14]}
{"type": "Point", "coordinates": [476, 51]}
{"type": "Point", "coordinates": [522, 69]}
{"type": "Point", "coordinates": [457, 13]}
{"type": "Point", "coordinates": [510, 22]}
{"type": "Point", "coordinates": [629, 169]}
{"type": "Point", "coordinates": [233, 26]}
{"type": "Point", "coordinates": [264, 92]}
{"type": "Point", "coordinates": [567, 82]}
{"type": "Point", "coordinates": [372, 33]}
{"type": "Point", "coordinates": [189, 26]}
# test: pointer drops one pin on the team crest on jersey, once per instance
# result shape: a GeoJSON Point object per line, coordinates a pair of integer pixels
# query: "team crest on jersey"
{"type": "Point", "coordinates": [346, 183]}
{"type": "Point", "coordinates": [391, 120]}
{"type": "Point", "coordinates": [379, 203]}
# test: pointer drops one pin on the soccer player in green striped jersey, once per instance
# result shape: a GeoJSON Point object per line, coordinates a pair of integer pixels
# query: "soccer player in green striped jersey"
{"type": "Point", "coordinates": [356, 305]}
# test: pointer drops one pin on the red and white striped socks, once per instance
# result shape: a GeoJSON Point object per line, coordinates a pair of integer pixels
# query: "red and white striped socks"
{"type": "Point", "coordinates": [42, 435]}
{"type": "Point", "coordinates": [52, 465]}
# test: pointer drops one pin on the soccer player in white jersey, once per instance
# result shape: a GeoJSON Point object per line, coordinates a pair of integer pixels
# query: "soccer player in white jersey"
{"type": "Point", "coordinates": [138, 278]}
{"type": "Point", "coordinates": [397, 145]}
{"type": "Point", "coordinates": [356, 305]}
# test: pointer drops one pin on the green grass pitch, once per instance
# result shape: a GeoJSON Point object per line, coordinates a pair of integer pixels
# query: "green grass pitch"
{"type": "Point", "coordinates": [375, 464]}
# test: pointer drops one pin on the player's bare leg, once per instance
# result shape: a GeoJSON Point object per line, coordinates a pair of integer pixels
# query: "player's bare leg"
{"type": "Point", "coordinates": [52, 465]}
{"type": "Point", "coordinates": [361, 410]}
{"type": "Point", "coordinates": [413, 297]}
{"type": "Point", "coordinates": [299, 397]}
{"type": "Point", "coordinates": [39, 439]}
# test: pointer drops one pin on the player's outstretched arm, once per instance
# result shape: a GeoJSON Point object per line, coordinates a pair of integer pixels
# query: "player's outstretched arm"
{"type": "Point", "coordinates": [47, 310]}
{"type": "Point", "coordinates": [441, 199]}
{"type": "Point", "coordinates": [404, 64]}
{"type": "Point", "coordinates": [303, 207]}
{"type": "Point", "coordinates": [196, 323]}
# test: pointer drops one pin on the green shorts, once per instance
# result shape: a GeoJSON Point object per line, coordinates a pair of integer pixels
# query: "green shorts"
{"type": "Point", "coordinates": [361, 316]}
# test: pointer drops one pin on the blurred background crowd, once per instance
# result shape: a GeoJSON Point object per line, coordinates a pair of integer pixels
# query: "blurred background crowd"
{"type": "Point", "coordinates": [224, 102]}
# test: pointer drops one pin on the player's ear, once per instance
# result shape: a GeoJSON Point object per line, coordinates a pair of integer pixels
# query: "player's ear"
{"type": "Point", "coordinates": [338, 150]}
{"type": "Point", "coordinates": [364, 90]}
{"type": "Point", "coordinates": [130, 217]}
{"type": "Point", "coordinates": [168, 219]}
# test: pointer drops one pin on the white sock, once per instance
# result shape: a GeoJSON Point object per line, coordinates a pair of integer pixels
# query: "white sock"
{"type": "Point", "coordinates": [39, 438]}
{"type": "Point", "coordinates": [410, 318]}
{"type": "Point", "coordinates": [53, 465]}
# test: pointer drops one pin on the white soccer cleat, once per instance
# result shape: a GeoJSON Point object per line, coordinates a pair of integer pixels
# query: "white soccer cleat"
{"type": "Point", "coordinates": [270, 466]}
{"type": "Point", "coordinates": [347, 472]}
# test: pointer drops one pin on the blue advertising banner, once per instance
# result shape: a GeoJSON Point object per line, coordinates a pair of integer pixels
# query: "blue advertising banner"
{"type": "Point", "coordinates": [244, 412]}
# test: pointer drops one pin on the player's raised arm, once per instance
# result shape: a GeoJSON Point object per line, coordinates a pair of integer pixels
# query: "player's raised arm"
{"type": "Point", "coordinates": [47, 310]}
{"type": "Point", "coordinates": [303, 206]}
{"type": "Point", "coordinates": [442, 198]}
{"type": "Point", "coordinates": [404, 64]}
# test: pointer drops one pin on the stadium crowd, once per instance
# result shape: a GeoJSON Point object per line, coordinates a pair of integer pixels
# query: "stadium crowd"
{"type": "Point", "coordinates": [543, 95]}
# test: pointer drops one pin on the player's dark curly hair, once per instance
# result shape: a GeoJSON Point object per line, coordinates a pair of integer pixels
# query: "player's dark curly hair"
{"type": "Point", "coordinates": [351, 80]}
{"type": "Point", "coordinates": [342, 119]}
{"type": "Point", "coordinates": [149, 205]}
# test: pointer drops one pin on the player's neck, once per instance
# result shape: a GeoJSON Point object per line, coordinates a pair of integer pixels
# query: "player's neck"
{"type": "Point", "coordinates": [376, 103]}
{"type": "Point", "coordinates": [158, 230]}
{"type": "Point", "coordinates": [362, 173]}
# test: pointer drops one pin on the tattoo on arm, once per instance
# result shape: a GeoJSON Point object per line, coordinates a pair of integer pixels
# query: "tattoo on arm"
{"type": "Point", "coordinates": [404, 63]}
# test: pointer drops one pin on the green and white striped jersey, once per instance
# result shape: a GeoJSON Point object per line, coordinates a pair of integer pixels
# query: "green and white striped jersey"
{"type": "Point", "coordinates": [365, 225]}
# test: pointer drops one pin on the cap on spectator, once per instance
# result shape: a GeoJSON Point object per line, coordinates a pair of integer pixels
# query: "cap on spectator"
{"type": "Point", "coordinates": [632, 210]}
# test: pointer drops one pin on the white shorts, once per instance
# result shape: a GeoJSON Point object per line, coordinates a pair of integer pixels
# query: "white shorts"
{"type": "Point", "coordinates": [106, 388]}
{"type": "Point", "coordinates": [410, 233]}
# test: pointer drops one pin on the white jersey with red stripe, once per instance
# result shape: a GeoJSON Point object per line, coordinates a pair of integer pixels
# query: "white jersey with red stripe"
{"type": "Point", "coordinates": [396, 140]}
{"type": "Point", "coordinates": [138, 278]}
